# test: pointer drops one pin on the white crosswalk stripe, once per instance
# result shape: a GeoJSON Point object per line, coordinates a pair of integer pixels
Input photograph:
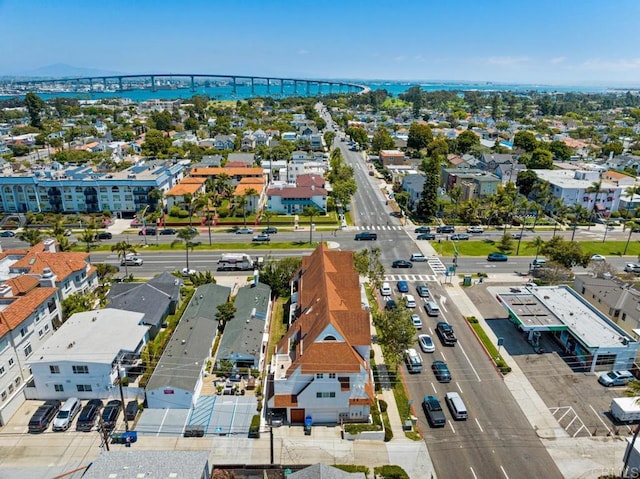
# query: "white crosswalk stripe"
{"type": "Point", "coordinates": [411, 277]}
{"type": "Point", "coordinates": [378, 228]}
{"type": "Point", "coordinates": [436, 265]}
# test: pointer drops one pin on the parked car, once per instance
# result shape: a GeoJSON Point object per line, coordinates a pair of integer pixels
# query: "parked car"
{"type": "Point", "coordinates": [422, 229]}
{"type": "Point", "coordinates": [110, 414]}
{"type": "Point", "coordinates": [391, 304]}
{"type": "Point", "coordinates": [186, 272]}
{"type": "Point", "coordinates": [426, 343]}
{"type": "Point", "coordinates": [131, 411]}
{"type": "Point", "coordinates": [441, 371]}
{"type": "Point", "coordinates": [460, 237]}
{"type": "Point", "coordinates": [271, 230]}
{"type": "Point", "coordinates": [445, 229]}
{"type": "Point", "coordinates": [7, 234]}
{"type": "Point", "coordinates": [598, 257]}
{"type": "Point", "coordinates": [417, 322]}
{"type": "Point", "coordinates": [104, 235]}
{"type": "Point", "coordinates": [497, 257]}
{"type": "Point", "coordinates": [167, 231]}
{"type": "Point", "coordinates": [244, 231]}
{"type": "Point", "coordinates": [517, 236]}
{"type": "Point", "coordinates": [433, 411]}
{"type": "Point", "coordinates": [147, 232]}
{"type": "Point", "coordinates": [401, 263]}
{"type": "Point", "coordinates": [88, 415]}
{"type": "Point", "coordinates": [632, 268]}
{"type": "Point", "coordinates": [66, 414]}
{"type": "Point", "coordinates": [261, 238]}
{"type": "Point", "coordinates": [475, 229]}
{"type": "Point", "coordinates": [426, 236]}
{"type": "Point", "coordinates": [615, 378]}
{"type": "Point", "coordinates": [403, 286]}
{"type": "Point", "coordinates": [43, 416]}
{"type": "Point", "coordinates": [422, 290]}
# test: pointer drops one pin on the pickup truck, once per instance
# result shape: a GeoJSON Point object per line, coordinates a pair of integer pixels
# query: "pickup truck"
{"type": "Point", "coordinates": [445, 331]}
{"type": "Point", "coordinates": [433, 411]}
{"type": "Point", "coordinates": [366, 236]}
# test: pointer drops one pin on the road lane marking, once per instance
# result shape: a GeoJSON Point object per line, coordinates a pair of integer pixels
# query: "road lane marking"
{"type": "Point", "coordinates": [458, 386]}
{"type": "Point", "coordinates": [473, 472]}
{"type": "Point", "coordinates": [443, 300]}
{"type": "Point", "coordinates": [479, 426]}
{"type": "Point", "coordinates": [469, 361]}
{"type": "Point", "coordinates": [504, 472]}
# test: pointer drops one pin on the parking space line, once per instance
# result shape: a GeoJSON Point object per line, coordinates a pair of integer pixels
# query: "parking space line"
{"type": "Point", "coordinates": [473, 472]}
{"type": "Point", "coordinates": [443, 356]}
{"type": "Point", "coordinates": [469, 361]}
{"type": "Point", "coordinates": [434, 388]}
{"type": "Point", "coordinates": [479, 426]}
{"type": "Point", "coordinates": [458, 386]}
{"type": "Point", "coordinates": [162, 422]}
{"type": "Point", "coordinates": [452, 428]}
{"type": "Point", "coordinates": [504, 472]}
{"type": "Point", "coordinates": [600, 418]}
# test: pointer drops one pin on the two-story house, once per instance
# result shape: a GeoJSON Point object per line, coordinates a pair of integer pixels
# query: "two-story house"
{"type": "Point", "coordinates": [321, 368]}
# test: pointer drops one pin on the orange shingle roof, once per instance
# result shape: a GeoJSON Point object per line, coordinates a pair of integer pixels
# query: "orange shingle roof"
{"type": "Point", "coordinates": [62, 264]}
{"type": "Point", "coordinates": [23, 284]}
{"type": "Point", "coordinates": [23, 306]}
{"type": "Point", "coordinates": [184, 189]}
{"type": "Point", "coordinates": [215, 171]}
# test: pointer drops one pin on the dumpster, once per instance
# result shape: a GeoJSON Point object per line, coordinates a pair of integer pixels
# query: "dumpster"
{"type": "Point", "coordinates": [467, 280]}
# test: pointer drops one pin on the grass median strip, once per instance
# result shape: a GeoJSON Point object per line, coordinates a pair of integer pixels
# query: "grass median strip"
{"type": "Point", "coordinates": [488, 345]}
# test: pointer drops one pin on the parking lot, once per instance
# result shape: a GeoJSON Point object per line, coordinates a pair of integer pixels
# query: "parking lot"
{"type": "Point", "coordinates": [575, 398]}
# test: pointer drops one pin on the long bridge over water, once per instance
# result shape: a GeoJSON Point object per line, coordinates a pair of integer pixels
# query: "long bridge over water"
{"type": "Point", "coordinates": [173, 81]}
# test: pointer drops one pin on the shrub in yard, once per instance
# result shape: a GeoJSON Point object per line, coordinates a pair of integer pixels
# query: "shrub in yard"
{"type": "Point", "coordinates": [383, 406]}
{"type": "Point", "coordinates": [390, 472]}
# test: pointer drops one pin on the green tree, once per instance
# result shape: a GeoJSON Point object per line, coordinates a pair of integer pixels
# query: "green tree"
{"type": "Point", "coordinates": [277, 274]}
{"type": "Point", "coordinates": [525, 140]}
{"type": "Point", "coordinates": [506, 244]}
{"type": "Point", "coordinates": [566, 253]}
{"type": "Point", "coordinates": [200, 278]}
{"type": "Point", "coordinates": [191, 124]}
{"type": "Point", "coordinates": [560, 150]}
{"type": "Point", "coordinates": [466, 141]}
{"type": "Point", "coordinates": [225, 313]}
{"type": "Point", "coordinates": [540, 160]}
{"type": "Point", "coordinates": [526, 181]}
{"type": "Point", "coordinates": [614, 147]}
{"type": "Point", "coordinates": [395, 331]}
{"type": "Point", "coordinates": [156, 143]}
{"type": "Point", "coordinates": [367, 263]}
{"type": "Point", "coordinates": [311, 211]}
{"type": "Point", "coordinates": [633, 226]}
{"type": "Point", "coordinates": [596, 187]}
{"type": "Point", "coordinates": [76, 303]}
{"type": "Point", "coordinates": [420, 136]}
{"type": "Point", "coordinates": [455, 194]}
{"type": "Point", "coordinates": [537, 243]}
{"type": "Point", "coordinates": [329, 136]}
{"type": "Point", "coordinates": [359, 135]}
{"type": "Point", "coordinates": [428, 204]}
{"type": "Point", "coordinates": [185, 235]}
{"type": "Point", "coordinates": [123, 248]}
{"type": "Point", "coordinates": [35, 105]}
{"type": "Point", "coordinates": [33, 236]}
{"type": "Point", "coordinates": [382, 140]}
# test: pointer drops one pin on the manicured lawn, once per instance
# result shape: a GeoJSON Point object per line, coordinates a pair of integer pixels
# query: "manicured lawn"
{"type": "Point", "coordinates": [484, 247]}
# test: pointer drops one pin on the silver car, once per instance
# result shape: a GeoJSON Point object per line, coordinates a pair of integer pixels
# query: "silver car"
{"type": "Point", "coordinates": [616, 378]}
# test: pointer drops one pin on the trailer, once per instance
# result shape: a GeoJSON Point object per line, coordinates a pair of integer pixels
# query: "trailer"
{"type": "Point", "coordinates": [235, 262]}
{"type": "Point", "coordinates": [626, 409]}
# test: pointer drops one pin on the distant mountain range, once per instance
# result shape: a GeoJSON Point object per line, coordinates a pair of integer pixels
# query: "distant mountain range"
{"type": "Point", "coordinates": [60, 70]}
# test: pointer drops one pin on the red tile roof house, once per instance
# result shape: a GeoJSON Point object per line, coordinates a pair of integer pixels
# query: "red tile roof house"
{"type": "Point", "coordinates": [321, 368]}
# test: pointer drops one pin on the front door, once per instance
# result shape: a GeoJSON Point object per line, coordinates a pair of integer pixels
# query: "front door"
{"type": "Point", "coordinates": [297, 416]}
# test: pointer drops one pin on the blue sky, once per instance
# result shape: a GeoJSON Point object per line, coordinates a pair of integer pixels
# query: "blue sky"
{"type": "Point", "coordinates": [569, 42]}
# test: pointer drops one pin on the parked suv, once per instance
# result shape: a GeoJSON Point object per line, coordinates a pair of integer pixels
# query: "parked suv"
{"type": "Point", "coordinates": [66, 414]}
{"type": "Point", "coordinates": [615, 378]}
{"type": "Point", "coordinates": [88, 415]}
{"type": "Point", "coordinates": [104, 235]}
{"type": "Point", "coordinates": [445, 229]}
{"type": "Point", "coordinates": [110, 414]}
{"type": "Point", "coordinates": [40, 420]}
{"type": "Point", "coordinates": [366, 236]}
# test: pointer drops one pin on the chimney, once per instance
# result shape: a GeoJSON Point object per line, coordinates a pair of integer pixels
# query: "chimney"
{"type": "Point", "coordinates": [50, 246]}
{"type": "Point", "coordinates": [47, 279]}
{"type": "Point", "coordinates": [5, 291]}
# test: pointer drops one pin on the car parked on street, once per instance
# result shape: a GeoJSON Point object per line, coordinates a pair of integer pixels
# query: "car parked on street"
{"type": "Point", "coordinates": [7, 234]}
{"type": "Point", "coordinates": [475, 229]}
{"type": "Point", "coordinates": [271, 230]}
{"type": "Point", "coordinates": [43, 416]}
{"type": "Point", "coordinates": [401, 263]}
{"type": "Point", "coordinates": [445, 229]}
{"type": "Point", "coordinates": [632, 268]}
{"type": "Point", "coordinates": [598, 257]}
{"type": "Point", "coordinates": [167, 231]}
{"type": "Point", "coordinates": [147, 232]}
{"type": "Point", "coordinates": [88, 415]}
{"type": "Point", "coordinates": [104, 235]}
{"type": "Point", "coordinates": [422, 229]}
{"type": "Point", "coordinates": [131, 260]}
{"type": "Point", "coordinates": [244, 231]}
{"type": "Point", "coordinates": [497, 257]}
{"type": "Point", "coordinates": [615, 378]}
{"type": "Point", "coordinates": [66, 414]}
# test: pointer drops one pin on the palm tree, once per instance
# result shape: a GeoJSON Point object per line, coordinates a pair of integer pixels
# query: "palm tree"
{"type": "Point", "coordinates": [267, 215]}
{"type": "Point", "coordinates": [123, 248]}
{"type": "Point", "coordinates": [632, 225]}
{"type": "Point", "coordinates": [537, 243]}
{"type": "Point", "coordinates": [58, 227]}
{"type": "Point", "coordinates": [223, 185]}
{"type": "Point", "coordinates": [88, 236]}
{"type": "Point", "coordinates": [311, 211]}
{"type": "Point", "coordinates": [33, 236]}
{"type": "Point", "coordinates": [251, 193]}
{"type": "Point", "coordinates": [455, 194]}
{"type": "Point", "coordinates": [185, 235]}
{"type": "Point", "coordinates": [578, 212]}
{"type": "Point", "coordinates": [241, 201]}
{"type": "Point", "coordinates": [595, 187]}
{"type": "Point", "coordinates": [558, 211]}
{"type": "Point", "coordinates": [205, 200]}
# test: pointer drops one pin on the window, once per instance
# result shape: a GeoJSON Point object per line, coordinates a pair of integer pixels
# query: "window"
{"type": "Point", "coordinates": [23, 332]}
{"type": "Point", "coordinates": [10, 362]}
{"type": "Point", "coordinates": [46, 327]}
{"type": "Point", "coordinates": [54, 369]}
{"type": "Point", "coordinates": [624, 316]}
{"type": "Point", "coordinates": [332, 375]}
{"type": "Point", "coordinates": [10, 388]}
{"type": "Point", "coordinates": [58, 388]}
{"type": "Point", "coordinates": [2, 371]}
{"type": "Point", "coordinates": [319, 376]}
{"type": "Point", "coordinates": [83, 388]}
{"type": "Point", "coordinates": [325, 395]}
{"type": "Point", "coordinates": [17, 380]}
{"type": "Point", "coordinates": [27, 350]}
{"type": "Point", "coordinates": [80, 369]}
{"type": "Point", "coordinates": [3, 395]}
{"type": "Point", "coordinates": [40, 333]}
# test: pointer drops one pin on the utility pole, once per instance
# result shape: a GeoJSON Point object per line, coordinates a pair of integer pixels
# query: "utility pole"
{"type": "Point", "coordinates": [271, 443]}
{"type": "Point", "coordinates": [124, 409]}
{"type": "Point", "coordinates": [103, 432]}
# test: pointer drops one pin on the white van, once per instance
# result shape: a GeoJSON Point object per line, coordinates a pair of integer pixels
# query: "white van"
{"type": "Point", "coordinates": [65, 415]}
{"type": "Point", "coordinates": [432, 308]}
{"type": "Point", "coordinates": [386, 289]}
{"type": "Point", "coordinates": [411, 301]}
{"type": "Point", "coordinates": [413, 361]}
{"type": "Point", "coordinates": [456, 406]}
